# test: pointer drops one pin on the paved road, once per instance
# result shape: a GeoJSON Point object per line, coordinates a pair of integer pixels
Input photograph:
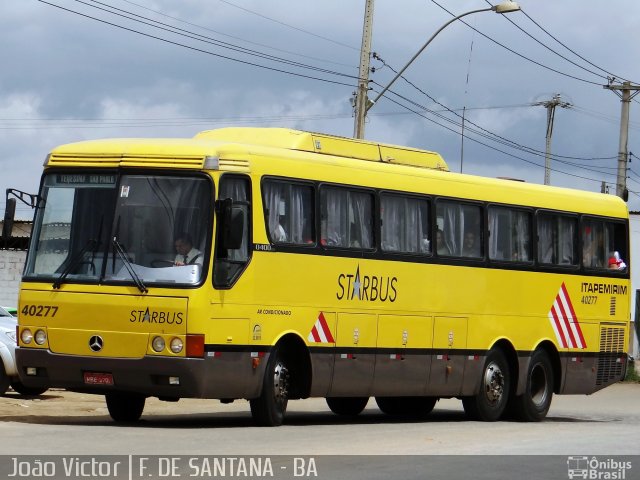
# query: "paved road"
{"type": "Point", "coordinates": [59, 422]}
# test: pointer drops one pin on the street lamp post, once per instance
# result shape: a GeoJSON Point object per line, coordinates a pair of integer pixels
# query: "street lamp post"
{"type": "Point", "coordinates": [502, 8]}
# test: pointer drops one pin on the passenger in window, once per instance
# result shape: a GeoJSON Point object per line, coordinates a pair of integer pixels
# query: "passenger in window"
{"type": "Point", "coordinates": [616, 263]}
{"type": "Point", "coordinates": [307, 233]}
{"type": "Point", "coordinates": [354, 243]}
{"type": "Point", "coordinates": [186, 254]}
{"type": "Point", "coordinates": [440, 245]}
{"type": "Point", "coordinates": [588, 250]}
{"type": "Point", "coordinates": [279, 234]}
{"type": "Point", "coordinates": [470, 247]}
{"type": "Point", "coordinates": [593, 251]}
{"type": "Point", "coordinates": [425, 244]}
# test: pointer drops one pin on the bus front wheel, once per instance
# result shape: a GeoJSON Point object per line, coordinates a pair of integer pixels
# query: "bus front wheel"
{"type": "Point", "coordinates": [490, 402]}
{"type": "Point", "coordinates": [348, 406]}
{"type": "Point", "coordinates": [534, 403]}
{"type": "Point", "coordinates": [125, 407]}
{"type": "Point", "coordinates": [29, 391]}
{"type": "Point", "coordinates": [269, 408]}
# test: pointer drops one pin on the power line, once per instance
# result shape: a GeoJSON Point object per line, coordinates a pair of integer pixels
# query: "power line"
{"type": "Point", "coordinates": [605, 77]}
{"type": "Point", "coordinates": [602, 116]}
{"type": "Point", "coordinates": [290, 26]}
{"type": "Point", "coordinates": [551, 49]}
{"type": "Point", "coordinates": [517, 53]}
{"type": "Point", "coordinates": [491, 147]}
{"type": "Point", "coordinates": [226, 57]}
{"type": "Point", "coordinates": [502, 140]}
{"type": "Point", "coordinates": [145, 122]}
{"type": "Point", "coordinates": [157, 12]}
{"type": "Point", "coordinates": [202, 38]}
{"type": "Point", "coordinates": [571, 50]}
{"type": "Point", "coordinates": [93, 123]}
{"type": "Point", "coordinates": [422, 107]}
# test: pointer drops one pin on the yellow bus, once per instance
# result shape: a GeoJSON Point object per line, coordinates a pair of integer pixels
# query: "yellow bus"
{"type": "Point", "coordinates": [271, 264]}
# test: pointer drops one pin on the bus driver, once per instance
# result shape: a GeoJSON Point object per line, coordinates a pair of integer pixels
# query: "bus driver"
{"type": "Point", "coordinates": [187, 255]}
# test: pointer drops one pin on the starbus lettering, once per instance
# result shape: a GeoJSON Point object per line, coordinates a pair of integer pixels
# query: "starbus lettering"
{"type": "Point", "coordinates": [155, 316]}
{"type": "Point", "coordinates": [368, 288]}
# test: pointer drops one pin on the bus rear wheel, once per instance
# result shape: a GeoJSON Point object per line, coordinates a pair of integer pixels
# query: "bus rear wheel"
{"type": "Point", "coordinates": [125, 407]}
{"type": "Point", "coordinates": [407, 406]}
{"type": "Point", "coordinates": [534, 403]}
{"type": "Point", "coordinates": [269, 408]}
{"type": "Point", "coordinates": [490, 402]}
{"type": "Point", "coordinates": [348, 406]}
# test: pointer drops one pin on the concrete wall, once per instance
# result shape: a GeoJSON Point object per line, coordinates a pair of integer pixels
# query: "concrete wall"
{"type": "Point", "coordinates": [11, 265]}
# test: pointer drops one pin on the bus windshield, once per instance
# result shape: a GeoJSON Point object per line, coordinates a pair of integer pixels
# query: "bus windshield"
{"type": "Point", "coordinates": [128, 228]}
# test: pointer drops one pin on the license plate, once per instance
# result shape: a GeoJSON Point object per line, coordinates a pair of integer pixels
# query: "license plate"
{"type": "Point", "coordinates": [92, 378]}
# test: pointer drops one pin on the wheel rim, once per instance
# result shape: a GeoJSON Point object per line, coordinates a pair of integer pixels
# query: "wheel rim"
{"type": "Point", "coordinates": [493, 383]}
{"type": "Point", "coordinates": [538, 385]}
{"type": "Point", "coordinates": [281, 384]}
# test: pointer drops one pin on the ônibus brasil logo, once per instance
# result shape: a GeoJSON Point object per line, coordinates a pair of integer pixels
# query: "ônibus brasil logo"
{"type": "Point", "coordinates": [366, 288]}
{"type": "Point", "coordinates": [595, 468]}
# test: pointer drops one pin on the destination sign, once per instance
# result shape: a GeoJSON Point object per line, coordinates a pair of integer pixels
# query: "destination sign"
{"type": "Point", "coordinates": [85, 179]}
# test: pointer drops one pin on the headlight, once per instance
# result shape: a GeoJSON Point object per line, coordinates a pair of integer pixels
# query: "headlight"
{"type": "Point", "coordinates": [26, 336]}
{"type": "Point", "coordinates": [176, 345]}
{"type": "Point", "coordinates": [158, 344]}
{"type": "Point", "coordinates": [40, 337]}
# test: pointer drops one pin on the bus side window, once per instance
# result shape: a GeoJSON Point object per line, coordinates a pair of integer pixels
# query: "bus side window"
{"type": "Point", "coordinates": [604, 244]}
{"type": "Point", "coordinates": [289, 212]}
{"type": "Point", "coordinates": [404, 224]}
{"type": "Point", "coordinates": [462, 228]}
{"type": "Point", "coordinates": [557, 239]}
{"type": "Point", "coordinates": [509, 234]}
{"type": "Point", "coordinates": [347, 218]}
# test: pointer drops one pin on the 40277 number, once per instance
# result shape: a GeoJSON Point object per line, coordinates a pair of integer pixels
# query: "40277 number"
{"type": "Point", "coordinates": [39, 310]}
{"type": "Point", "coordinates": [589, 299]}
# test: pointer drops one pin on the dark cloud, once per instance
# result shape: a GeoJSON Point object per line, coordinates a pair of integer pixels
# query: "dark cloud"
{"type": "Point", "coordinates": [58, 65]}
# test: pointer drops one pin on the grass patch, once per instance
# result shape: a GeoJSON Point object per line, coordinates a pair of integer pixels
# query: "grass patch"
{"type": "Point", "coordinates": [632, 374]}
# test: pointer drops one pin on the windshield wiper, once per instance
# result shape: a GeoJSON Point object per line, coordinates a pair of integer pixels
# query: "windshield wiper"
{"type": "Point", "coordinates": [123, 256]}
{"type": "Point", "coordinates": [75, 260]}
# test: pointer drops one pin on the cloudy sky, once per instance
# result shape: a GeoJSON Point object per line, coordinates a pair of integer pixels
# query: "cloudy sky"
{"type": "Point", "coordinates": [76, 70]}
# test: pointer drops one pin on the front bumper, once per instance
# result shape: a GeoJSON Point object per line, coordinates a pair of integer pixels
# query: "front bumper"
{"type": "Point", "coordinates": [227, 376]}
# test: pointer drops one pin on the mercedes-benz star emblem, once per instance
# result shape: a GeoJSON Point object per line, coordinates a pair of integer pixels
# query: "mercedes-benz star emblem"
{"type": "Point", "coordinates": [96, 343]}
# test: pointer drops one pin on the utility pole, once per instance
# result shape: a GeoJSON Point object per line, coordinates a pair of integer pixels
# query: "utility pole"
{"type": "Point", "coordinates": [550, 105]}
{"type": "Point", "coordinates": [362, 99]}
{"type": "Point", "coordinates": [623, 91]}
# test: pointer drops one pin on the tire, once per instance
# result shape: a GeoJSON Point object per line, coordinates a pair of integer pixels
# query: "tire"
{"type": "Point", "coordinates": [125, 407]}
{"type": "Point", "coordinates": [534, 403]}
{"type": "Point", "coordinates": [348, 406]}
{"type": "Point", "coordinates": [4, 380]}
{"type": "Point", "coordinates": [407, 406]}
{"type": "Point", "coordinates": [31, 391]}
{"type": "Point", "coordinates": [490, 402]}
{"type": "Point", "coordinates": [269, 408]}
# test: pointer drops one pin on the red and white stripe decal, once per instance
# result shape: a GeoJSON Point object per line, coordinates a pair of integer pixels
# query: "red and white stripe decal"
{"type": "Point", "coordinates": [565, 322]}
{"type": "Point", "coordinates": [320, 333]}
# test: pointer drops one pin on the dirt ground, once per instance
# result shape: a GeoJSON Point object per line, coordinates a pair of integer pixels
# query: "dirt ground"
{"type": "Point", "coordinates": [61, 403]}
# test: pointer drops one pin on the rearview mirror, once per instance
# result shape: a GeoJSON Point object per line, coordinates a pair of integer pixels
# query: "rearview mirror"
{"type": "Point", "coordinates": [9, 215]}
{"type": "Point", "coordinates": [231, 224]}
